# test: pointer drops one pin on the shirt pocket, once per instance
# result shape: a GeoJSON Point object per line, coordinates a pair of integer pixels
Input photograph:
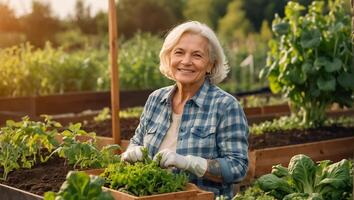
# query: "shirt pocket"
{"type": "Point", "coordinates": [151, 131]}
{"type": "Point", "coordinates": [204, 139]}
{"type": "Point", "coordinates": [203, 132]}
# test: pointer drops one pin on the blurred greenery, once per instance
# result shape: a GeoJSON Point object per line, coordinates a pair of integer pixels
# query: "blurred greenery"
{"type": "Point", "coordinates": [80, 42]}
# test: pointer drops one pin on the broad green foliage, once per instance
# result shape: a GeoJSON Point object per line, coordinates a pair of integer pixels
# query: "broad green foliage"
{"type": "Point", "coordinates": [303, 179]}
{"type": "Point", "coordinates": [80, 186]}
{"type": "Point", "coordinates": [23, 144]}
{"type": "Point", "coordinates": [310, 60]}
{"type": "Point", "coordinates": [143, 178]}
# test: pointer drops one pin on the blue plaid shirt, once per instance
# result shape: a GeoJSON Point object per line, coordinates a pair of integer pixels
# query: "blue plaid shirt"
{"type": "Point", "coordinates": [213, 126]}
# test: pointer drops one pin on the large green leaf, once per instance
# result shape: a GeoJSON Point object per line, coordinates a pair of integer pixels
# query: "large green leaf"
{"type": "Point", "coordinates": [297, 76]}
{"type": "Point", "coordinates": [303, 170]}
{"type": "Point", "coordinates": [346, 80]}
{"type": "Point", "coordinates": [310, 38]}
{"type": "Point", "coordinates": [326, 84]}
{"type": "Point", "coordinates": [274, 84]}
{"type": "Point", "coordinates": [308, 68]}
{"type": "Point", "coordinates": [333, 66]}
{"type": "Point", "coordinates": [281, 28]}
{"type": "Point", "coordinates": [321, 62]}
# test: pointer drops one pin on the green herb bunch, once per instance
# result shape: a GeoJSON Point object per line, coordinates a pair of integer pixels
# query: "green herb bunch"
{"type": "Point", "coordinates": [143, 178]}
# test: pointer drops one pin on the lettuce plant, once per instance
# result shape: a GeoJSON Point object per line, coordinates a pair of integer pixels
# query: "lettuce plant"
{"type": "Point", "coordinates": [80, 186]}
{"type": "Point", "coordinates": [303, 179]}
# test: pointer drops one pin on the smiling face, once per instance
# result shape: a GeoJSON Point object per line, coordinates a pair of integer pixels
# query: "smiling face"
{"type": "Point", "coordinates": [189, 60]}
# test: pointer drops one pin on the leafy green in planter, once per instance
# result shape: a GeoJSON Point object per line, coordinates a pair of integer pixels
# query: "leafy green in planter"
{"type": "Point", "coordinates": [143, 178]}
{"type": "Point", "coordinates": [303, 179]}
{"type": "Point", "coordinates": [80, 186]}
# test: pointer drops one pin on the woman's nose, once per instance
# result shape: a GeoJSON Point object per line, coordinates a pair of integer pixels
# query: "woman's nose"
{"type": "Point", "coordinates": [186, 60]}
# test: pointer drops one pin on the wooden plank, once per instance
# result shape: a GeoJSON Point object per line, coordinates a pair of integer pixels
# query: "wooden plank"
{"type": "Point", "coordinates": [252, 111]}
{"type": "Point", "coordinates": [333, 150]}
{"type": "Point", "coordinates": [11, 193]}
{"type": "Point", "coordinates": [282, 108]}
{"type": "Point", "coordinates": [17, 104]}
{"type": "Point", "coordinates": [71, 102]}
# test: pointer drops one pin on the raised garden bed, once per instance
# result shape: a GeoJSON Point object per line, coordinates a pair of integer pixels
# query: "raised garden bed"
{"type": "Point", "coordinates": [265, 151]}
{"type": "Point", "coordinates": [192, 192]}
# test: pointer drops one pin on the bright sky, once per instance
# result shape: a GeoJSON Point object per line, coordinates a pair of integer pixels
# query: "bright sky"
{"type": "Point", "coordinates": [61, 8]}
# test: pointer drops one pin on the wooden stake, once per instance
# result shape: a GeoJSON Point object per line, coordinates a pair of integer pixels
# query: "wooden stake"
{"type": "Point", "coordinates": [113, 55]}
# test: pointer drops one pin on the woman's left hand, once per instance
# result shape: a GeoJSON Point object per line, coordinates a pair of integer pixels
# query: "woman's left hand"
{"type": "Point", "coordinates": [194, 164]}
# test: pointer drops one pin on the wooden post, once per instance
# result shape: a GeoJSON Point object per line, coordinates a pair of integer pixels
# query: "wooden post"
{"type": "Point", "coordinates": [113, 55]}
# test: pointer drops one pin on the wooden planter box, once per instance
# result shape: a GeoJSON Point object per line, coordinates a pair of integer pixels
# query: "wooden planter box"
{"type": "Point", "coordinates": [11, 193]}
{"type": "Point", "coordinates": [262, 160]}
{"type": "Point", "coordinates": [192, 192]}
{"type": "Point", "coordinates": [17, 107]}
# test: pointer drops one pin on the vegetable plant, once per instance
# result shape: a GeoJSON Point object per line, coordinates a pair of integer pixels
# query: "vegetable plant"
{"type": "Point", "coordinates": [22, 144]}
{"type": "Point", "coordinates": [304, 179]}
{"type": "Point", "coordinates": [80, 186]}
{"type": "Point", "coordinates": [143, 178]}
{"type": "Point", "coordinates": [84, 154]}
{"type": "Point", "coordinates": [310, 59]}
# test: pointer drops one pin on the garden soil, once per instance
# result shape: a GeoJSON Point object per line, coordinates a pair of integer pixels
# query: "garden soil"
{"type": "Point", "coordinates": [49, 176]}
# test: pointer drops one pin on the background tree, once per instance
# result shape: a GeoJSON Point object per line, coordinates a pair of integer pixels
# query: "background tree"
{"type": "Point", "coordinates": [154, 16]}
{"type": "Point", "coordinates": [8, 22]}
{"type": "Point", "coordinates": [40, 25]}
{"type": "Point", "coordinates": [83, 18]}
{"type": "Point", "coordinates": [234, 24]}
{"type": "Point", "coordinates": [200, 10]}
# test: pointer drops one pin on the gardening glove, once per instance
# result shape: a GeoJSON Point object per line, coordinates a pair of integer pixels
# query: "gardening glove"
{"type": "Point", "coordinates": [132, 154]}
{"type": "Point", "coordinates": [194, 164]}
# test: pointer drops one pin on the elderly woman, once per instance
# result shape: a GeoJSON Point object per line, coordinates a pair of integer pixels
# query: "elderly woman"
{"type": "Point", "coordinates": [194, 125]}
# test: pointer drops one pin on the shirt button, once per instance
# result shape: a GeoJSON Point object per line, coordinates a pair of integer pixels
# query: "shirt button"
{"type": "Point", "coordinates": [182, 129]}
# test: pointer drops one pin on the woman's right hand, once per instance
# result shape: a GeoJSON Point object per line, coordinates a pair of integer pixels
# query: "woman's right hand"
{"type": "Point", "coordinates": [132, 154]}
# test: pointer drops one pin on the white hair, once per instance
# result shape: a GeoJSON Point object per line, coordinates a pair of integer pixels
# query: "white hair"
{"type": "Point", "coordinates": [216, 54]}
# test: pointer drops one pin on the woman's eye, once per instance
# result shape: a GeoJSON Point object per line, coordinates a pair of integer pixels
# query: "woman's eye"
{"type": "Point", "coordinates": [178, 52]}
